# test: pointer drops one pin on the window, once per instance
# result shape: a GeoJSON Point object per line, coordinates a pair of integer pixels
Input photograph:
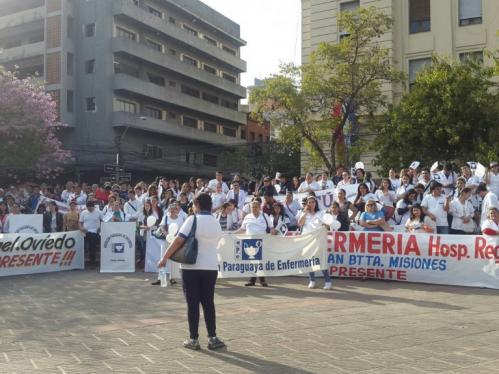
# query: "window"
{"type": "Point", "coordinates": [260, 138]}
{"type": "Point", "coordinates": [350, 6]}
{"type": "Point", "coordinates": [252, 136]}
{"type": "Point", "coordinates": [172, 51]}
{"type": "Point", "coordinates": [89, 30]}
{"type": "Point", "coordinates": [124, 33]}
{"type": "Point", "coordinates": [190, 91]}
{"type": "Point", "coordinates": [90, 104]}
{"type": "Point", "coordinates": [172, 20]}
{"type": "Point", "coordinates": [210, 98]}
{"type": "Point", "coordinates": [154, 45]}
{"type": "Point", "coordinates": [189, 29]}
{"type": "Point", "coordinates": [190, 122]}
{"type": "Point", "coordinates": [229, 131]}
{"type": "Point", "coordinates": [414, 67]}
{"type": "Point", "coordinates": [172, 84]}
{"type": "Point", "coordinates": [153, 112]}
{"type": "Point", "coordinates": [121, 67]}
{"type": "Point", "coordinates": [70, 27]}
{"type": "Point", "coordinates": [476, 56]}
{"type": "Point", "coordinates": [210, 127]}
{"type": "Point", "coordinates": [470, 12]}
{"type": "Point", "coordinates": [209, 69]}
{"type": "Point", "coordinates": [69, 64]}
{"type": "Point", "coordinates": [210, 160]}
{"type": "Point", "coordinates": [154, 12]}
{"type": "Point", "coordinates": [228, 77]}
{"type": "Point", "coordinates": [210, 40]}
{"type": "Point", "coordinates": [228, 50]}
{"type": "Point", "coordinates": [243, 133]}
{"type": "Point", "coordinates": [89, 66]}
{"type": "Point", "coordinates": [152, 152]}
{"type": "Point", "coordinates": [156, 79]}
{"type": "Point", "coordinates": [229, 104]}
{"type": "Point", "coordinates": [121, 105]}
{"type": "Point", "coordinates": [419, 16]}
{"type": "Point", "coordinates": [171, 115]}
{"type": "Point", "coordinates": [189, 61]}
{"type": "Point", "coordinates": [69, 101]}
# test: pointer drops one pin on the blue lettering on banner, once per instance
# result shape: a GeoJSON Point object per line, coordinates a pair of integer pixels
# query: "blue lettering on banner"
{"type": "Point", "coordinates": [335, 259]}
{"type": "Point", "coordinates": [418, 263]}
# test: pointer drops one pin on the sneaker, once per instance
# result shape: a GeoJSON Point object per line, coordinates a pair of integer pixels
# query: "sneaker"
{"type": "Point", "coordinates": [192, 344]}
{"type": "Point", "coordinates": [311, 284]}
{"type": "Point", "coordinates": [156, 283]}
{"type": "Point", "coordinates": [264, 284]}
{"type": "Point", "coordinates": [215, 343]}
{"type": "Point", "coordinates": [327, 286]}
{"type": "Point", "coordinates": [249, 284]}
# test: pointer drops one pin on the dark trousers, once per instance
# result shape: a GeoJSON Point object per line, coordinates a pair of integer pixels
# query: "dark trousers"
{"type": "Point", "coordinates": [91, 243]}
{"type": "Point", "coordinates": [199, 288]}
{"type": "Point", "coordinates": [253, 280]}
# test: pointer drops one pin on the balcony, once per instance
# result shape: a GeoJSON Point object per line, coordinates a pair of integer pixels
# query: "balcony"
{"type": "Point", "coordinates": [134, 121]}
{"type": "Point", "coordinates": [21, 52]}
{"type": "Point", "coordinates": [129, 83]}
{"type": "Point", "coordinates": [141, 51]}
{"type": "Point", "coordinates": [21, 18]}
{"type": "Point", "coordinates": [127, 9]}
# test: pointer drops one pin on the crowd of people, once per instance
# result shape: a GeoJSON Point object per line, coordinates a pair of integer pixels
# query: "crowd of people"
{"type": "Point", "coordinates": [441, 201]}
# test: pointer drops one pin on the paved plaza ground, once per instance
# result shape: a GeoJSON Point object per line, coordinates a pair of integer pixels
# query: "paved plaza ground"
{"type": "Point", "coordinates": [87, 322]}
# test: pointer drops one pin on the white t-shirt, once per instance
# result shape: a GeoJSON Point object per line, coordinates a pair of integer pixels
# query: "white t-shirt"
{"type": "Point", "coordinates": [493, 184]}
{"type": "Point", "coordinates": [208, 234]}
{"type": "Point", "coordinates": [305, 186]}
{"type": "Point", "coordinates": [458, 211]}
{"type": "Point", "coordinates": [256, 225]}
{"type": "Point", "coordinates": [435, 206]}
{"type": "Point", "coordinates": [91, 220]}
{"type": "Point", "coordinates": [168, 220]}
{"type": "Point", "coordinates": [312, 221]}
{"type": "Point", "coordinates": [403, 188]}
{"type": "Point", "coordinates": [389, 199]}
{"type": "Point", "coordinates": [212, 185]}
{"type": "Point", "coordinates": [132, 209]}
{"type": "Point", "coordinates": [218, 199]}
{"type": "Point", "coordinates": [325, 184]}
{"type": "Point", "coordinates": [489, 201]}
{"type": "Point", "coordinates": [491, 225]}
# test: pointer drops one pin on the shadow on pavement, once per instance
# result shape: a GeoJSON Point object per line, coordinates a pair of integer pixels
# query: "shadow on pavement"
{"type": "Point", "coordinates": [254, 364]}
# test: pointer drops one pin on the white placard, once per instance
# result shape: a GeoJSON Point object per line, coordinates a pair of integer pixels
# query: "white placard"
{"type": "Point", "coordinates": [26, 223]}
{"type": "Point", "coordinates": [117, 253]}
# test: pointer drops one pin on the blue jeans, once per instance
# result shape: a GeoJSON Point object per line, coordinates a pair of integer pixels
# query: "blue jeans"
{"type": "Point", "coordinates": [442, 229]}
{"type": "Point", "coordinates": [327, 277]}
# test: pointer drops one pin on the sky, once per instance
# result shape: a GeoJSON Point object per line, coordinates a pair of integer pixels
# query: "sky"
{"type": "Point", "coordinates": [271, 29]}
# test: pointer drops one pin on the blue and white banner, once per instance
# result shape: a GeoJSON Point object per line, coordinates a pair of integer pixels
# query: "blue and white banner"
{"type": "Point", "coordinates": [272, 255]}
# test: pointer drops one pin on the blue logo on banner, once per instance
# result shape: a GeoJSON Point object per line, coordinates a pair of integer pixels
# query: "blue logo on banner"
{"type": "Point", "coordinates": [118, 247]}
{"type": "Point", "coordinates": [252, 249]}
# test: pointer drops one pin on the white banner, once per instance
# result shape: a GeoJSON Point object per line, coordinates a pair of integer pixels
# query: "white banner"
{"type": "Point", "coordinates": [26, 223]}
{"type": "Point", "coordinates": [40, 253]}
{"type": "Point", "coordinates": [62, 207]}
{"type": "Point", "coordinates": [272, 255]}
{"type": "Point", "coordinates": [155, 249]}
{"type": "Point", "coordinates": [117, 254]}
{"type": "Point", "coordinates": [461, 260]}
{"type": "Point", "coordinates": [324, 197]}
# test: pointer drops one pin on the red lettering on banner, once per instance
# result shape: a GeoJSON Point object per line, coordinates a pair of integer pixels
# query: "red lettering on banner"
{"type": "Point", "coordinates": [373, 243]}
{"type": "Point", "coordinates": [339, 241]}
{"type": "Point", "coordinates": [4, 261]}
{"type": "Point", "coordinates": [393, 274]}
{"type": "Point", "coordinates": [376, 243]}
{"type": "Point", "coordinates": [55, 258]}
{"type": "Point", "coordinates": [13, 260]}
{"type": "Point", "coordinates": [29, 260]}
{"type": "Point", "coordinates": [484, 250]}
{"type": "Point", "coordinates": [436, 248]}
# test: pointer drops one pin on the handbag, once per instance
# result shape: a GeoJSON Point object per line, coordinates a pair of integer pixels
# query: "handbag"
{"type": "Point", "coordinates": [188, 253]}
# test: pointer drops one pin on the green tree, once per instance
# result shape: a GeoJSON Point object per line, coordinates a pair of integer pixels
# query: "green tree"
{"type": "Point", "coordinates": [303, 101]}
{"type": "Point", "coordinates": [450, 114]}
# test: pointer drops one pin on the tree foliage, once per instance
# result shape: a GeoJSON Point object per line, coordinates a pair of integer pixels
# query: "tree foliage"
{"type": "Point", "coordinates": [302, 101]}
{"type": "Point", "coordinates": [28, 143]}
{"type": "Point", "coordinates": [450, 113]}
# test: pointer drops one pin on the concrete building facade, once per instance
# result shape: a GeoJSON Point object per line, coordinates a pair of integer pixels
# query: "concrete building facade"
{"type": "Point", "coordinates": [458, 29]}
{"type": "Point", "coordinates": [155, 83]}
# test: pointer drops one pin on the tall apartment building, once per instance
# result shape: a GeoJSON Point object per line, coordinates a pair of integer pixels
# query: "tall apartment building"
{"type": "Point", "coordinates": [155, 81]}
{"type": "Point", "coordinates": [455, 28]}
